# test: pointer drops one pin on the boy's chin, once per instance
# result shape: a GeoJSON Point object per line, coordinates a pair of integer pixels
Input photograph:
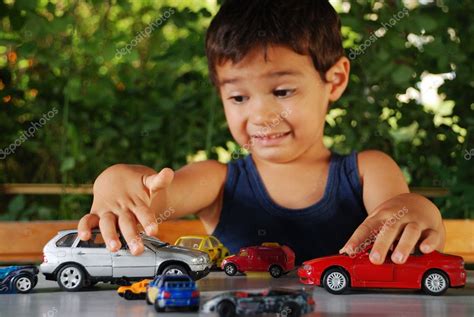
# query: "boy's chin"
{"type": "Point", "coordinates": [273, 155]}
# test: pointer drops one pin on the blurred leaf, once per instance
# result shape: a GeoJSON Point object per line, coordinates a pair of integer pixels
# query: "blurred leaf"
{"type": "Point", "coordinates": [17, 204]}
{"type": "Point", "coordinates": [68, 164]}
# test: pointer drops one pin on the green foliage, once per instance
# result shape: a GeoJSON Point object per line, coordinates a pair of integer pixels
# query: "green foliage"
{"type": "Point", "coordinates": [153, 104]}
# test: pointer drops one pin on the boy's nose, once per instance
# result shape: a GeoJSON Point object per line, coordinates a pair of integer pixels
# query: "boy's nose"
{"type": "Point", "coordinates": [262, 113]}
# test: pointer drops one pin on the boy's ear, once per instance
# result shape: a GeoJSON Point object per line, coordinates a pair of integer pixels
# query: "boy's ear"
{"type": "Point", "coordinates": [337, 77]}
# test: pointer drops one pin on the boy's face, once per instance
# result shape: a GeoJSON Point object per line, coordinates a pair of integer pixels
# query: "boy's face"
{"type": "Point", "coordinates": [276, 108]}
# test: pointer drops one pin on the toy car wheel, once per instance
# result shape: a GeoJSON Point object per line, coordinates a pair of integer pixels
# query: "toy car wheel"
{"type": "Point", "coordinates": [275, 271]}
{"type": "Point", "coordinates": [336, 281]}
{"type": "Point", "coordinates": [194, 308]}
{"type": "Point", "coordinates": [174, 269]}
{"type": "Point", "coordinates": [23, 284]}
{"type": "Point", "coordinates": [435, 283]}
{"type": "Point", "coordinates": [230, 269]}
{"type": "Point", "coordinates": [290, 309]}
{"type": "Point", "coordinates": [147, 299]}
{"type": "Point", "coordinates": [71, 278]}
{"type": "Point", "coordinates": [158, 308]}
{"type": "Point", "coordinates": [226, 309]}
{"type": "Point", "coordinates": [128, 295]}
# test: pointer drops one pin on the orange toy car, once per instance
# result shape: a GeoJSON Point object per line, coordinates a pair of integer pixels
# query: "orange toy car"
{"type": "Point", "coordinates": [135, 291]}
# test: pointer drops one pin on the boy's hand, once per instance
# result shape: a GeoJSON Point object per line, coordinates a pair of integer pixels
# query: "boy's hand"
{"type": "Point", "coordinates": [123, 196]}
{"type": "Point", "coordinates": [410, 217]}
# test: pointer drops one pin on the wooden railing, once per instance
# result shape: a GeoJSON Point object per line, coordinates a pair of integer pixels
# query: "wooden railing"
{"type": "Point", "coordinates": [24, 241]}
{"type": "Point", "coordinates": [86, 189]}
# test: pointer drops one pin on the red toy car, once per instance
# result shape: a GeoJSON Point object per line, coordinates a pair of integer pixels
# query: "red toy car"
{"type": "Point", "coordinates": [434, 273]}
{"type": "Point", "coordinates": [270, 257]}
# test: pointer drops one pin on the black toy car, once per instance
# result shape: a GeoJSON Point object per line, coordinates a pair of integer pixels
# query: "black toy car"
{"type": "Point", "coordinates": [285, 302]}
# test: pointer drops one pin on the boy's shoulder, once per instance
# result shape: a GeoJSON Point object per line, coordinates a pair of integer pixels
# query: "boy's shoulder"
{"type": "Point", "coordinates": [374, 161]}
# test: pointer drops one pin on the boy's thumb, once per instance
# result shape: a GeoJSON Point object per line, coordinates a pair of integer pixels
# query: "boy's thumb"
{"type": "Point", "coordinates": [158, 181]}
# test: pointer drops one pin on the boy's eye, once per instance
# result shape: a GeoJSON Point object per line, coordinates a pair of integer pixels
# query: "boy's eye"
{"type": "Point", "coordinates": [281, 93]}
{"type": "Point", "coordinates": [238, 99]}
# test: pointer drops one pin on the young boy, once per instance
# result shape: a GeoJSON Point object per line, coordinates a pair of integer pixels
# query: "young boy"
{"type": "Point", "coordinates": [277, 65]}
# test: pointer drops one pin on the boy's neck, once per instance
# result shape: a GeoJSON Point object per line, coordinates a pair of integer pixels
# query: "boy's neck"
{"type": "Point", "coordinates": [316, 154]}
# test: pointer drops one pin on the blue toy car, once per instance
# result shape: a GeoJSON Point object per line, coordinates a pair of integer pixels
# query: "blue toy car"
{"type": "Point", "coordinates": [18, 279]}
{"type": "Point", "coordinates": [173, 291]}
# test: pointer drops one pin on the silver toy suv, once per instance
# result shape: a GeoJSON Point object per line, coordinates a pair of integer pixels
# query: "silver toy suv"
{"type": "Point", "coordinates": [75, 264]}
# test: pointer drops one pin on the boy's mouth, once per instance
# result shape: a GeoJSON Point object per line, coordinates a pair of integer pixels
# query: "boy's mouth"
{"type": "Point", "coordinates": [270, 138]}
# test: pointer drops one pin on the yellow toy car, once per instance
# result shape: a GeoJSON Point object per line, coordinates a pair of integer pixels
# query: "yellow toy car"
{"type": "Point", "coordinates": [135, 291]}
{"type": "Point", "coordinates": [209, 244]}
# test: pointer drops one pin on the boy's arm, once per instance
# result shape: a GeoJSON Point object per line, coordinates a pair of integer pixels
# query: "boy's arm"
{"type": "Point", "coordinates": [195, 186]}
{"type": "Point", "coordinates": [393, 212]}
{"type": "Point", "coordinates": [127, 195]}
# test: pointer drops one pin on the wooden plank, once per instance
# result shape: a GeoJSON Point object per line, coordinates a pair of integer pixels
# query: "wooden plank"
{"type": "Point", "coordinates": [46, 189]}
{"type": "Point", "coordinates": [24, 241]}
{"type": "Point", "coordinates": [431, 192]}
{"type": "Point", "coordinates": [460, 238]}
{"type": "Point", "coordinates": [86, 189]}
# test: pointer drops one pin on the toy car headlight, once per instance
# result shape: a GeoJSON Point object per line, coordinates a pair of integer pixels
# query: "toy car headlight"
{"type": "Point", "coordinates": [199, 260]}
{"type": "Point", "coordinates": [307, 267]}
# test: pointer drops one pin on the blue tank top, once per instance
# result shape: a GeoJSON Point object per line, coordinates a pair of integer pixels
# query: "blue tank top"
{"type": "Point", "coordinates": [250, 217]}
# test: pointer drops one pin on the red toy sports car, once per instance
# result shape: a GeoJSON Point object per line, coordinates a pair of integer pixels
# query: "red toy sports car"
{"type": "Point", "coordinates": [434, 273]}
{"type": "Point", "coordinates": [270, 257]}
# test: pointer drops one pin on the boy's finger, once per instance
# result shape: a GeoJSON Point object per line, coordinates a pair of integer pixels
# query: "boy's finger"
{"type": "Point", "coordinates": [382, 244]}
{"type": "Point", "coordinates": [410, 236]}
{"type": "Point", "coordinates": [108, 228]}
{"type": "Point", "coordinates": [159, 181]}
{"type": "Point", "coordinates": [86, 224]}
{"type": "Point", "coordinates": [128, 228]}
{"type": "Point", "coordinates": [361, 234]}
{"type": "Point", "coordinates": [430, 242]}
{"type": "Point", "coordinates": [146, 218]}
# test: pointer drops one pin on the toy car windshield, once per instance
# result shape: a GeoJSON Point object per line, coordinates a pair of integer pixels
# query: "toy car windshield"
{"type": "Point", "coordinates": [156, 242]}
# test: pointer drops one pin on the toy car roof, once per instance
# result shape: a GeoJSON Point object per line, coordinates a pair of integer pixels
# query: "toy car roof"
{"type": "Point", "coordinates": [272, 291]}
{"type": "Point", "coordinates": [172, 277]}
{"type": "Point", "coordinates": [142, 235]}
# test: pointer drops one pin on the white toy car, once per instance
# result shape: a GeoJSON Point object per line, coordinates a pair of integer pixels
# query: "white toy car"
{"type": "Point", "coordinates": [75, 264]}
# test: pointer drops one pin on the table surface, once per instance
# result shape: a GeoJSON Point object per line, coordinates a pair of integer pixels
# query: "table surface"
{"type": "Point", "coordinates": [47, 300]}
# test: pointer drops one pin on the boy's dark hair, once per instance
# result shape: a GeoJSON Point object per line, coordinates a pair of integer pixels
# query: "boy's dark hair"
{"type": "Point", "coordinates": [310, 27]}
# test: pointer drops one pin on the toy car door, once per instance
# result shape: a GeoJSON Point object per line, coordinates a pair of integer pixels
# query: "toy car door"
{"type": "Point", "coordinates": [243, 259]}
{"type": "Point", "coordinates": [209, 249]}
{"type": "Point", "coordinates": [369, 274]}
{"type": "Point", "coordinates": [93, 255]}
{"type": "Point", "coordinates": [126, 264]}
{"type": "Point", "coordinates": [254, 260]}
{"type": "Point", "coordinates": [218, 247]}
